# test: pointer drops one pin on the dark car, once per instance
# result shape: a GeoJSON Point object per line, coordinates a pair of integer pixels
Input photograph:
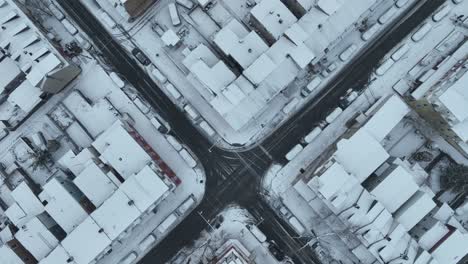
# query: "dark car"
{"type": "Point", "coordinates": [276, 251]}
{"type": "Point", "coordinates": [141, 57]}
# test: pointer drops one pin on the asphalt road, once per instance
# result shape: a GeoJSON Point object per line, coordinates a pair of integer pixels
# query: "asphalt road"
{"type": "Point", "coordinates": [234, 177]}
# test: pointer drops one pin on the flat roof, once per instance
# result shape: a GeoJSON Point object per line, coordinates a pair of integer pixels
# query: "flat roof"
{"type": "Point", "coordinates": [387, 117]}
{"type": "Point", "coordinates": [453, 249]}
{"type": "Point", "coordinates": [145, 188]}
{"type": "Point", "coordinates": [62, 206]}
{"type": "Point", "coordinates": [274, 16]}
{"type": "Point", "coordinates": [243, 46]}
{"type": "Point", "coordinates": [361, 154]}
{"type": "Point", "coordinates": [27, 203]}
{"type": "Point", "coordinates": [260, 69]}
{"type": "Point", "coordinates": [331, 181]}
{"type": "Point", "coordinates": [76, 163]}
{"type": "Point", "coordinates": [8, 256]}
{"type": "Point", "coordinates": [26, 103]}
{"type": "Point", "coordinates": [121, 151]}
{"type": "Point", "coordinates": [58, 255]}
{"type": "Point", "coordinates": [455, 98]}
{"type": "Point", "coordinates": [395, 189]}
{"type": "Point", "coordinates": [116, 214]}
{"type": "Point", "coordinates": [418, 206]}
{"type": "Point", "coordinates": [9, 71]}
{"type": "Point", "coordinates": [36, 238]}
{"type": "Point", "coordinates": [85, 243]}
{"type": "Point", "coordinates": [95, 184]}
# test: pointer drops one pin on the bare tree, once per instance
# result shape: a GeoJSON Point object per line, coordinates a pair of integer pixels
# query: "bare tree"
{"type": "Point", "coordinates": [455, 177]}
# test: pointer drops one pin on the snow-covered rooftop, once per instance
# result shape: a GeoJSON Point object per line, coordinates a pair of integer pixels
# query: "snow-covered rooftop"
{"type": "Point", "coordinates": [243, 46]}
{"type": "Point", "coordinates": [58, 255]}
{"type": "Point", "coordinates": [36, 238]}
{"type": "Point", "coordinates": [418, 206]}
{"type": "Point", "coordinates": [76, 163]}
{"type": "Point", "coordinates": [331, 181]}
{"type": "Point", "coordinates": [61, 205]}
{"type": "Point", "coordinates": [116, 214]}
{"type": "Point", "coordinates": [453, 249]}
{"type": "Point", "coordinates": [95, 184]}
{"type": "Point", "coordinates": [9, 71]}
{"type": "Point", "coordinates": [26, 205]}
{"type": "Point", "coordinates": [121, 151]}
{"type": "Point", "coordinates": [360, 155]}
{"type": "Point", "coordinates": [8, 256]}
{"type": "Point", "coordinates": [387, 117]}
{"type": "Point", "coordinates": [274, 16]}
{"type": "Point", "coordinates": [86, 242]}
{"type": "Point", "coordinates": [395, 188]}
{"type": "Point", "coordinates": [455, 98]}
{"type": "Point", "coordinates": [144, 188]}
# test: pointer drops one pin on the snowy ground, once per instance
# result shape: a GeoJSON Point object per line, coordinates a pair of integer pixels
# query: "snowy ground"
{"type": "Point", "coordinates": [233, 226]}
{"type": "Point", "coordinates": [411, 136]}
{"type": "Point", "coordinates": [168, 60]}
{"type": "Point", "coordinates": [105, 102]}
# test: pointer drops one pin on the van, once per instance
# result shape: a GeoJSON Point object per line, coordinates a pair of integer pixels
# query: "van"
{"type": "Point", "coordinates": [370, 32]}
{"type": "Point", "coordinates": [294, 222]}
{"type": "Point", "coordinates": [130, 258]}
{"type": "Point", "coordinates": [346, 54]}
{"type": "Point", "coordinates": [117, 80]}
{"type": "Point", "coordinates": [108, 21]}
{"type": "Point", "coordinates": [257, 233]}
{"type": "Point", "coordinates": [387, 15]}
{"type": "Point", "coordinates": [400, 52]}
{"type": "Point", "coordinates": [441, 13]}
{"type": "Point", "coordinates": [294, 152]}
{"type": "Point", "coordinates": [39, 140]}
{"type": "Point", "coordinates": [314, 83]}
{"type": "Point", "coordinates": [142, 106]}
{"type": "Point", "coordinates": [421, 32]}
{"type": "Point", "coordinates": [84, 43]}
{"type": "Point", "coordinates": [188, 158]}
{"type": "Point", "coordinates": [158, 75]}
{"type": "Point", "coordinates": [312, 135]}
{"type": "Point", "coordinates": [401, 3]}
{"type": "Point", "coordinates": [186, 3]}
{"type": "Point", "coordinates": [185, 206]}
{"type": "Point", "coordinates": [174, 14]}
{"type": "Point", "coordinates": [173, 91]}
{"type": "Point", "coordinates": [147, 242]}
{"type": "Point", "coordinates": [191, 112]}
{"type": "Point", "coordinates": [290, 106]}
{"type": "Point", "coordinates": [174, 142]}
{"type": "Point", "coordinates": [207, 128]}
{"type": "Point", "coordinates": [159, 125]}
{"type": "Point", "coordinates": [167, 223]}
{"type": "Point", "coordinates": [384, 67]}
{"type": "Point", "coordinates": [333, 115]}
{"type": "Point", "coordinates": [69, 26]}
{"type": "Point", "coordinates": [56, 12]}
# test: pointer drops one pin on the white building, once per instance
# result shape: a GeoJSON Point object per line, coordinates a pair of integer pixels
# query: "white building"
{"type": "Point", "coordinates": [442, 97]}
{"type": "Point", "coordinates": [383, 200]}
{"type": "Point", "coordinates": [110, 187]}
{"type": "Point", "coordinates": [29, 64]}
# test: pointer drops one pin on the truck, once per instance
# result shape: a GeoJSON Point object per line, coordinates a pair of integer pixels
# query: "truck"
{"type": "Point", "coordinates": [174, 14]}
{"type": "Point", "coordinates": [191, 112]}
{"type": "Point", "coordinates": [257, 233]}
{"type": "Point", "coordinates": [313, 84]}
{"type": "Point", "coordinates": [185, 206]}
{"type": "Point", "coordinates": [188, 158]}
{"type": "Point", "coordinates": [166, 223]}
{"type": "Point", "coordinates": [294, 152]}
{"type": "Point", "coordinates": [333, 115]}
{"type": "Point", "coordinates": [312, 135]}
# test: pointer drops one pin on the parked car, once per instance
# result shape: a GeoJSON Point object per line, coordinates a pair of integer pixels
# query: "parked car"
{"type": "Point", "coordinates": [276, 251]}
{"type": "Point", "coordinates": [160, 125]}
{"type": "Point", "coordinates": [141, 57]}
